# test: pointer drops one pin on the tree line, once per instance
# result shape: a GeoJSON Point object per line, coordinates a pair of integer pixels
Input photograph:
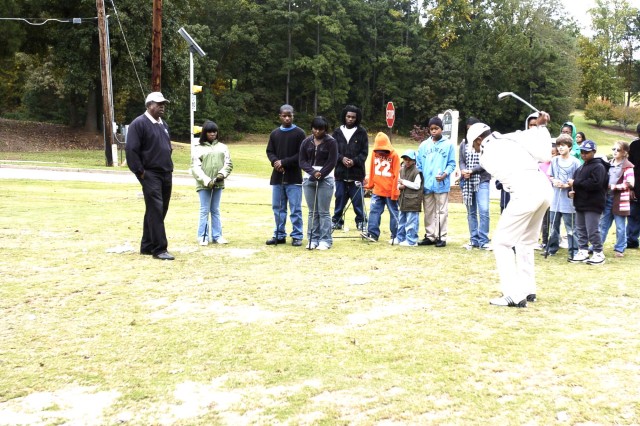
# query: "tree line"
{"type": "Point", "coordinates": [318, 55]}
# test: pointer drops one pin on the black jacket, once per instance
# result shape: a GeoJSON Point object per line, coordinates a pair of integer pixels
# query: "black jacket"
{"type": "Point", "coordinates": [590, 186]}
{"type": "Point", "coordinates": [323, 156]}
{"type": "Point", "coordinates": [356, 149]}
{"type": "Point", "coordinates": [634, 157]}
{"type": "Point", "coordinates": [148, 146]}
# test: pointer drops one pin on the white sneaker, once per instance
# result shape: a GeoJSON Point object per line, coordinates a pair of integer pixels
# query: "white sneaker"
{"type": "Point", "coordinates": [406, 243]}
{"type": "Point", "coordinates": [596, 259]}
{"type": "Point", "coordinates": [204, 243]}
{"type": "Point", "coordinates": [221, 240]}
{"type": "Point", "coordinates": [564, 243]}
{"type": "Point", "coordinates": [312, 246]}
{"type": "Point", "coordinates": [394, 241]}
{"type": "Point", "coordinates": [323, 246]}
{"type": "Point", "coordinates": [580, 256]}
{"type": "Point", "coordinates": [507, 301]}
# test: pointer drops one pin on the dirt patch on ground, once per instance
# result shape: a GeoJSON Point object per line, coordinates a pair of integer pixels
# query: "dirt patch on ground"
{"type": "Point", "coordinates": [31, 136]}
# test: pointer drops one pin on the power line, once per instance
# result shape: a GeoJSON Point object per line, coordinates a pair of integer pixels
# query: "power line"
{"type": "Point", "coordinates": [32, 21]}
{"type": "Point", "coordinates": [127, 45]}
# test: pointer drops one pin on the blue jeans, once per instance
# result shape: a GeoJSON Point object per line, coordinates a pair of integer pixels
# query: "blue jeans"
{"type": "Point", "coordinates": [210, 204]}
{"type": "Point", "coordinates": [280, 196]}
{"type": "Point", "coordinates": [376, 207]}
{"type": "Point", "coordinates": [319, 203]}
{"type": "Point", "coordinates": [408, 224]}
{"type": "Point", "coordinates": [607, 219]}
{"type": "Point", "coordinates": [633, 225]}
{"type": "Point", "coordinates": [346, 191]}
{"type": "Point", "coordinates": [569, 220]}
{"type": "Point", "coordinates": [479, 230]}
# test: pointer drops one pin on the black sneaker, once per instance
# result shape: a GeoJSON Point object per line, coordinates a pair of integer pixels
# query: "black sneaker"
{"type": "Point", "coordinates": [274, 241]}
{"type": "Point", "coordinates": [360, 226]}
{"type": "Point", "coordinates": [369, 237]}
{"type": "Point", "coordinates": [441, 243]}
{"type": "Point", "coordinates": [531, 297]}
{"type": "Point", "coordinates": [426, 242]}
{"type": "Point", "coordinates": [296, 243]}
{"type": "Point", "coordinates": [507, 301]}
{"type": "Point", "coordinates": [336, 226]}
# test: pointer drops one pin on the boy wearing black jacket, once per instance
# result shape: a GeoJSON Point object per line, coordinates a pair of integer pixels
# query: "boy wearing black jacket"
{"type": "Point", "coordinates": [589, 191]}
{"type": "Point", "coordinates": [353, 148]}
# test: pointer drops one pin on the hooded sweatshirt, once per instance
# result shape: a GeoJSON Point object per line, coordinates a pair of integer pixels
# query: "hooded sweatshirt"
{"type": "Point", "coordinates": [575, 149]}
{"type": "Point", "coordinates": [434, 158]}
{"type": "Point", "coordinates": [590, 185]}
{"type": "Point", "coordinates": [384, 169]}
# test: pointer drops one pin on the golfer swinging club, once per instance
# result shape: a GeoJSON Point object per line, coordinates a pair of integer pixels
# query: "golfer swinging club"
{"type": "Point", "coordinates": [513, 160]}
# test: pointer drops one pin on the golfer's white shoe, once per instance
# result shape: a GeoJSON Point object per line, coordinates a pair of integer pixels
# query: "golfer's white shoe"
{"type": "Point", "coordinates": [312, 246]}
{"type": "Point", "coordinates": [222, 240]}
{"type": "Point", "coordinates": [507, 301]}
{"type": "Point", "coordinates": [323, 246]}
{"type": "Point", "coordinates": [204, 242]}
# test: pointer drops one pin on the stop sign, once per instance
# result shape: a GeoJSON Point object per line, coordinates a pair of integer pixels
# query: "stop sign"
{"type": "Point", "coordinates": [391, 114]}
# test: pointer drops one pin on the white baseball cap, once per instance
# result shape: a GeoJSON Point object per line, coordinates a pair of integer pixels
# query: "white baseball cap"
{"type": "Point", "coordinates": [475, 131]}
{"type": "Point", "coordinates": [156, 97]}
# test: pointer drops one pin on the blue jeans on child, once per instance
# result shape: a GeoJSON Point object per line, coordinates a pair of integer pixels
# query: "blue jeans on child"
{"type": "Point", "coordinates": [569, 220]}
{"type": "Point", "coordinates": [479, 229]}
{"type": "Point", "coordinates": [210, 203]}
{"type": "Point", "coordinates": [408, 224]}
{"type": "Point", "coordinates": [605, 223]}
{"type": "Point", "coordinates": [376, 208]}
{"type": "Point", "coordinates": [280, 196]}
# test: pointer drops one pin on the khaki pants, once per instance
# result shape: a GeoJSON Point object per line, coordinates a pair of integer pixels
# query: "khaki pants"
{"type": "Point", "coordinates": [518, 227]}
{"type": "Point", "coordinates": [436, 213]}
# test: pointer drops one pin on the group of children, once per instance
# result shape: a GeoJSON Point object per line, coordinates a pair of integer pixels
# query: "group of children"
{"type": "Point", "coordinates": [423, 181]}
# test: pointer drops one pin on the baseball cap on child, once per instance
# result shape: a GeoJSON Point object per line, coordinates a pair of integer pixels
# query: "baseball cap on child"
{"type": "Point", "coordinates": [410, 154]}
{"type": "Point", "coordinates": [588, 145]}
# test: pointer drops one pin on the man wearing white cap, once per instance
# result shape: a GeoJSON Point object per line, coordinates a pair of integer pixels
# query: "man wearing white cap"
{"type": "Point", "coordinates": [513, 160]}
{"type": "Point", "coordinates": [149, 150]}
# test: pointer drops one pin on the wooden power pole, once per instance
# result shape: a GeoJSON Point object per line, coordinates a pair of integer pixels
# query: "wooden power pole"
{"type": "Point", "coordinates": [106, 83]}
{"type": "Point", "coordinates": [156, 47]}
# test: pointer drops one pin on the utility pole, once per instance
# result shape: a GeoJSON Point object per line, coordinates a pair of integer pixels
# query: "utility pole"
{"type": "Point", "coordinates": [156, 47]}
{"type": "Point", "coordinates": [105, 68]}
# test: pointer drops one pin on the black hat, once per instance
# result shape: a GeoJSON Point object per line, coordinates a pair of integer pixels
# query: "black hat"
{"type": "Point", "coordinates": [436, 120]}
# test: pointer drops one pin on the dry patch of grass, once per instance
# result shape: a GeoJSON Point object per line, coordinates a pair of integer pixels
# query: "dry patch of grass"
{"type": "Point", "coordinates": [252, 334]}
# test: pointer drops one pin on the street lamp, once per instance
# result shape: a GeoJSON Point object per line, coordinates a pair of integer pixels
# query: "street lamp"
{"type": "Point", "coordinates": [193, 47]}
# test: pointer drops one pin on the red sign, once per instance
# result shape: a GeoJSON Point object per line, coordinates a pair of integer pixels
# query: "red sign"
{"type": "Point", "coordinates": [391, 114]}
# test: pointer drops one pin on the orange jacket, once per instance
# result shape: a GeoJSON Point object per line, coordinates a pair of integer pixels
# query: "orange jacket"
{"type": "Point", "coordinates": [384, 169]}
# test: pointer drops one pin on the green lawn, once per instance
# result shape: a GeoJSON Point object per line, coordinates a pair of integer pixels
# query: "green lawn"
{"type": "Point", "coordinates": [363, 334]}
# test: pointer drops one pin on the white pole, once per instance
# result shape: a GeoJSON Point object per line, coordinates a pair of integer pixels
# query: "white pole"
{"type": "Point", "coordinates": [191, 96]}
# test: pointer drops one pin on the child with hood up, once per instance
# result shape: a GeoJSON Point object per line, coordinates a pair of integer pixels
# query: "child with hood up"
{"type": "Point", "coordinates": [382, 181]}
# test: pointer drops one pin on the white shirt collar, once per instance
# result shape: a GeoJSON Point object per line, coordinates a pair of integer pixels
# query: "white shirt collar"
{"type": "Point", "coordinates": [153, 120]}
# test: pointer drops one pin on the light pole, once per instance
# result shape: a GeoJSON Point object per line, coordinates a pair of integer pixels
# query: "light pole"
{"type": "Point", "coordinates": [193, 47]}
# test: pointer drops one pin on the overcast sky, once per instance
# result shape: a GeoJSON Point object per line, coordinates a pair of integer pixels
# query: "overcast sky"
{"type": "Point", "coordinates": [578, 9]}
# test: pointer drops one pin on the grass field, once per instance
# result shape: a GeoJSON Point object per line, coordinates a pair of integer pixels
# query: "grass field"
{"type": "Point", "coordinates": [364, 334]}
{"type": "Point", "coordinates": [248, 334]}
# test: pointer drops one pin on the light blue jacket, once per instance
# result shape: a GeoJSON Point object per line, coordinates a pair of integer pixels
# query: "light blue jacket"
{"type": "Point", "coordinates": [433, 159]}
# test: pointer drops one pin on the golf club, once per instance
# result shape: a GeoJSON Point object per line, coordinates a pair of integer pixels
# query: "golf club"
{"type": "Point", "coordinates": [282, 192]}
{"type": "Point", "coordinates": [503, 95]}
{"type": "Point", "coordinates": [312, 220]}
